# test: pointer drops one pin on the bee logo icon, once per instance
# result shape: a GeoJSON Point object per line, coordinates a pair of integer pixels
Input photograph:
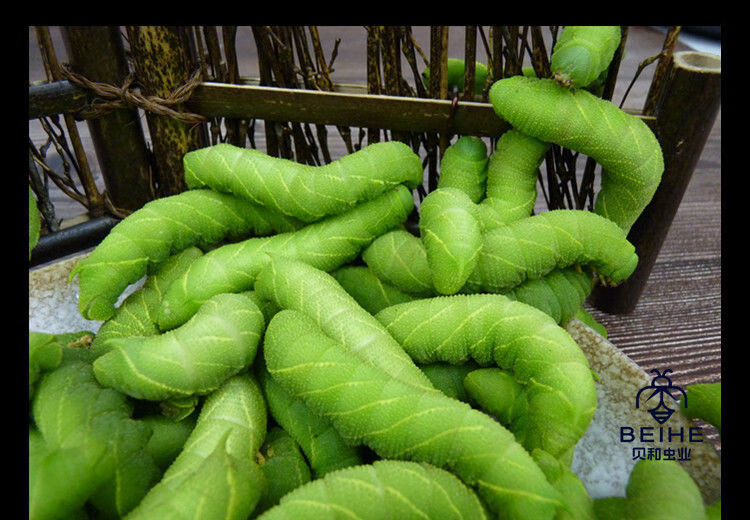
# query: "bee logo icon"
{"type": "Point", "coordinates": [661, 385]}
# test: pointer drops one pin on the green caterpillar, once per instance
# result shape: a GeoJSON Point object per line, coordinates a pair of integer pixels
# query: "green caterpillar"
{"type": "Point", "coordinates": [284, 468]}
{"type": "Point", "coordinates": [292, 284]}
{"type": "Point", "coordinates": [451, 222]}
{"type": "Point", "coordinates": [492, 329]}
{"type": "Point", "coordinates": [324, 448]}
{"type": "Point", "coordinates": [452, 237]}
{"type": "Point", "coordinates": [582, 53]}
{"type": "Point", "coordinates": [194, 359]}
{"type": "Point", "coordinates": [399, 262]}
{"type": "Point", "coordinates": [657, 489]}
{"type": "Point", "coordinates": [497, 392]}
{"type": "Point", "coordinates": [156, 231]}
{"type": "Point", "coordinates": [35, 222]}
{"type": "Point", "coordinates": [45, 354]}
{"type": "Point", "coordinates": [368, 290]}
{"type": "Point", "coordinates": [399, 258]}
{"type": "Point", "coordinates": [327, 244]}
{"type": "Point", "coordinates": [383, 490]}
{"type": "Point", "coordinates": [456, 68]}
{"type": "Point", "coordinates": [308, 193]}
{"type": "Point", "coordinates": [401, 421]}
{"type": "Point", "coordinates": [621, 143]}
{"type": "Point", "coordinates": [703, 401]}
{"type": "Point", "coordinates": [88, 448]}
{"type": "Point", "coordinates": [533, 247]}
{"type": "Point", "coordinates": [168, 437]}
{"type": "Point", "coordinates": [449, 379]}
{"type": "Point", "coordinates": [464, 166]}
{"type": "Point", "coordinates": [579, 504]}
{"type": "Point", "coordinates": [137, 314]}
{"type": "Point", "coordinates": [215, 475]}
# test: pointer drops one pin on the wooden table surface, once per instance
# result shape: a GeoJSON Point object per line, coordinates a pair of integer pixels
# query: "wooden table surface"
{"type": "Point", "coordinates": [677, 323]}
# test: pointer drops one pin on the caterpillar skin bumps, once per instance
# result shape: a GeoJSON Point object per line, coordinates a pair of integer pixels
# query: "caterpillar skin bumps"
{"type": "Point", "coordinates": [451, 223]}
{"type": "Point", "coordinates": [582, 52]}
{"type": "Point", "coordinates": [292, 284]}
{"type": "Point", "coordinates": [401, 421]}
{"type": "Point", "coordinates": [493, 330]}
{"type": "Point", "coordinates": [159, 229]}
{"type": "Point", "coordinates": [327, 244]}
{"type": "Point", "coordinates": [532, 247]}
{"type": "Point", "coordinates": [657, 489]}
{"type": "Point", "coordinates": [308, 193]}
{"type": "Point", "coordinates": [215, 475]}
{"type": "Point", "coordinates": [621, 143]}
{"type": "Point", "coordinates": [386, 489]}
{"type": "Point", "coordinates": [137, 314]}
{"type": "Point", "coordinates": [194, 359]}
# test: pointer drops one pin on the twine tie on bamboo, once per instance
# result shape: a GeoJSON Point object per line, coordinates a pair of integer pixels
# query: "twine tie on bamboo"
{"type": "Point", "coordinates": [113, 98]}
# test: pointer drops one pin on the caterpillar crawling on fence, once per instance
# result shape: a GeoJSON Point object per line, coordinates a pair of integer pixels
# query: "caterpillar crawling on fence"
{"type": "Point", "coordinates": [456, 75]}
{"type": "Point", "coordinates": [621, 143]}
{"type": "Point", "coordinates": [308, 193]}
{"type": "Point", "coordinates": [327, 244]}
{"type": "Point", "coordinates": [383, 490]}
{"type": "Point", "coordinates": [582, 53]}
{"type": "Point", "coordinates": [159, 229]}
{"type": "Point", "coordinates": [490, 329]}
{"type": "Point", "coordinates": [402, 421]}
{"type": "Point", "coordinates": [194, 359]}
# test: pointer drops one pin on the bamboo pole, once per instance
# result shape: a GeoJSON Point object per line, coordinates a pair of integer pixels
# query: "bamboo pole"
{"type": "Point", "coordinates": [97, 53]}
{"type": "Point", "coordinates": [162, 64]}
{"type": "Point", "coordinates": [95, 201]}
{"type": "Point", "coordinates": [692, 80]}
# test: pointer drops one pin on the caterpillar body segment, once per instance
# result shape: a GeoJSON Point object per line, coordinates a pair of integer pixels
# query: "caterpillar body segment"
{"type": "Point", "coordinates": [400, 421]}
{"type": "Point", "coordinates": [307, 193]}
{"type": "Point", "coordinates": [327, 245]}
{"type": "Point", "coordinates": [629, 153]}
{"type": "Point", "coordinates": [491, 329]}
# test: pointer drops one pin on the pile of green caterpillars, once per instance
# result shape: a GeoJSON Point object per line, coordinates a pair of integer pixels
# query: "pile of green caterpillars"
{"type": "Point", "coordinates": [295, 352]}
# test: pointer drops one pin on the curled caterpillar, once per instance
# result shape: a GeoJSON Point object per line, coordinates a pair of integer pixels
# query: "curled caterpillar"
{"type": "Point", "coordinates": [308, 193]}
{"type": "Point", "coordinates": [534, 246]}
{"type": "Point", "coordinates": [216, 472]}
{"type": "Point", "coordinates": [582, 53]}
{"type": "Point", "coordinates": [383, 490]}
{"type": "Point", "coordinates": [398, 260]}
{"type": "Point", "coordinates": [621, 143]}
{"type": "Point", "coordinates": [137, 314]}
{"type": "Point", "coordinates": [327, 244]}
{"type": "Point", "coordinates": [292, 284]}
{"type": "Point", "coordinates": [401, 421]}
{"type": "Point", "coordinates": [452, 222]}
{"type": "Point", "coordinates": [490, 329]}
{"type": "Point", "coordinates": [156, 231]}
{"type": "Point", "coordinates": [194, 359]}
{"type": "Point", "coordinates": [88, 446]}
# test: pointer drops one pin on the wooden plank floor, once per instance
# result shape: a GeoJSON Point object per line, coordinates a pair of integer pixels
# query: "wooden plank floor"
{"type": "Point", "coordinates": [677, 323]}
